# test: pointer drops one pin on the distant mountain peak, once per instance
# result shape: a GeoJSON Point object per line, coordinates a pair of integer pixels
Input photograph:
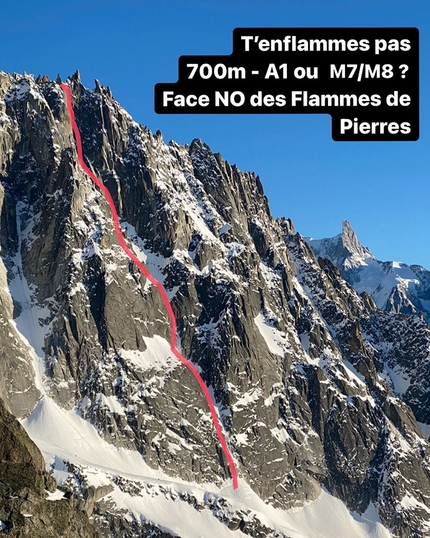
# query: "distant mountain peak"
{"type": "Point", "coordinates": [344, 250]}
{"type": "Point", "coordinates": [395, 286]}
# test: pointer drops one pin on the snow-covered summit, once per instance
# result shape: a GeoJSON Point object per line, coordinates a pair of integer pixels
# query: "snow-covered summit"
{"type": "Point", "coordinates": [344, 250]}
{"type": "Point", "coordinates": [395, 286]}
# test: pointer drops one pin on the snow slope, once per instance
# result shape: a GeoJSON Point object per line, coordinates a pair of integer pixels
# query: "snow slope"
{"type": "Point", "coordinates": [63, 436]}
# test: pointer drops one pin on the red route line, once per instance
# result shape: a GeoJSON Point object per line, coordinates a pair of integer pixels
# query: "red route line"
{"type": "Point", "coordinates": [155, 282]}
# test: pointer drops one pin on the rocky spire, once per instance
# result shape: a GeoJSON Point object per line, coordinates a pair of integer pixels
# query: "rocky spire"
{"type": "Point", "coordinates": [76, 76]}
{"type": "Point", "coordinates": [351, 243]}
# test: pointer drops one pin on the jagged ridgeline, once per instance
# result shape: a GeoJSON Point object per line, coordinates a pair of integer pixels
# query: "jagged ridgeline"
{"type": "Point", "coordinates": [300, 366]}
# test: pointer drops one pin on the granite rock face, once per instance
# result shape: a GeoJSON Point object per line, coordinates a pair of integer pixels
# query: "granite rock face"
{"type": "Point", "coordinates": [296, 360]}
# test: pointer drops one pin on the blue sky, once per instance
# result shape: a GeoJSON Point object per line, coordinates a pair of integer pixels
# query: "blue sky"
{"type": "Point", "coordinates": [382, 188]}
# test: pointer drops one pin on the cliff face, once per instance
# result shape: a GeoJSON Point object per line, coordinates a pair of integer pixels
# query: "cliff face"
{"type": "Point", "coordinates": [295, 359]}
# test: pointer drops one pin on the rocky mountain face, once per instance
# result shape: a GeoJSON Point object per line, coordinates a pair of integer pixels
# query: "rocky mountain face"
{"type": "Point", "coordinates": [395, 286]}
{"type": "Point", "coordinates": [305, 373]}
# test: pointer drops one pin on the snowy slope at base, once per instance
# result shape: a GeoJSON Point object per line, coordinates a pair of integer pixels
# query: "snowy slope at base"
{"type": "Point", "coordinates": [63, 435]}
{"type": "Point", "coordinates": [66, 436]}
{"type": "Point", "coordinates": [327, 517]}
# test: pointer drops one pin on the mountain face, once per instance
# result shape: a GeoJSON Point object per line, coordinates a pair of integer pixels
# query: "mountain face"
{"type": "Point", "coordinates": [395, 286]}
{"type": "Point", "coordinates": [305, 373]}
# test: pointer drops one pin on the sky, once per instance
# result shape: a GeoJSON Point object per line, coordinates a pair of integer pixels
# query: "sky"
{"type": "Point", "coordinates": [382, 188]}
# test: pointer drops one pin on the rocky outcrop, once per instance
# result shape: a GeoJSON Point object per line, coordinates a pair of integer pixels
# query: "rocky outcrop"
{"type": "Point", "coordinates": [25, 509]}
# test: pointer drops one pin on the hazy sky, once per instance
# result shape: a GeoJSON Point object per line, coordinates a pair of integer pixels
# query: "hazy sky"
{"type": "Point", "coordinates": [381, 188]}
